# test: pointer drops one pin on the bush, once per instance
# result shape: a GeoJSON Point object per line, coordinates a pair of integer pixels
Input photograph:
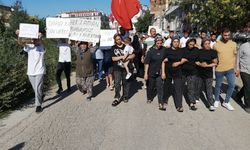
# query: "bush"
{"type": "Point", "coordinates": [14, 84]}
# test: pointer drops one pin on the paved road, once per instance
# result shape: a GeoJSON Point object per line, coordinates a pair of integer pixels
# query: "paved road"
{"type": "Point", "coordinates": [70, 122]}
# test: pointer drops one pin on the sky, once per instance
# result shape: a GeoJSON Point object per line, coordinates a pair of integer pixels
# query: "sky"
{"type": "Point", "coordinates": [44, 8]}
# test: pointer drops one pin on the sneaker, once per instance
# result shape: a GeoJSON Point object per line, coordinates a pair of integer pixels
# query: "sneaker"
{"type": "Point", "coordinates": [111, 87]}
{"type": "Point", "coordinates": [128, 76]}
{"type": "Point", "coordinates": [197, 101]}
{"type": "Point", "coordinates": [212, 108]}
{"type": "Point", "coordinates": [59, 90]}
{"type": "Point", "coordinates": [107, 86]}
{"type": "Point", "coordinates": [228, 106]}
{"type": "Point", "coordinates": [39, 109]}
{"type": "Point", "coordinates": [216, 104]}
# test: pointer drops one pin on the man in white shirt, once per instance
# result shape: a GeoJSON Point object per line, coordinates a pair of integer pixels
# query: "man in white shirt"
{"type": "Point", "coordinates": [64, 64]}
{"type": "Point", "coordinates": [213, 40]}
{"type": "Point", "coordinates": [151, 39]}
{"type": "Point", "coordinates": [184, 39]}
{"type": "Point", "coordinates": [36, 68]}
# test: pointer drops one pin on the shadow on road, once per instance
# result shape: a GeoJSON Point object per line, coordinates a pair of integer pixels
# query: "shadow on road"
{"type": "Point", "coordinates": [18, 146]}
{"type": "Point", "coordinates": [135, 86]}
{"type": "Point", "coordinates": [99, 88]}
{"type": "Point", "coordinates": [60, 97]}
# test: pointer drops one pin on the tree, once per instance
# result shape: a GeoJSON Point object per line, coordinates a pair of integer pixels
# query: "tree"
{"type": "Point", "coordinates": [144, 22]}
{"type": "Point", "coordinates": [104, 22]}
{"type": "Point", "coordinates": [215, 14]}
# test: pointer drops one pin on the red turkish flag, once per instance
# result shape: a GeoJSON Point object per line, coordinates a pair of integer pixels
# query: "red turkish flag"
{"type": "Point", "coordinates": [124, 11]}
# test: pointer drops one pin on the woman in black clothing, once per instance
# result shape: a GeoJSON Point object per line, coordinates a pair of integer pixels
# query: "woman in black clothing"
{"type": "Point", "coordinates": [120, 71]}
{"type": "Point", "coordinates": [171, 70]}
{"type": "Point", "coordinates": [138, 53]}
{"type": "Point", "coordinates": [152, 73]}
{"type": "Point", "coordinates": [190, 72]}
{"type": "Point", "coordinates": [207, 59]}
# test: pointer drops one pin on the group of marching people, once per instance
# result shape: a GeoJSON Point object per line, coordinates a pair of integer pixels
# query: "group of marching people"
{"type": "Point", "coordinates": [171, 66]}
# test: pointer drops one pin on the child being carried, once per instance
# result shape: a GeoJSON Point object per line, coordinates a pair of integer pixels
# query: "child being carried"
{"type": "Point", "coordinates": [128, 50]}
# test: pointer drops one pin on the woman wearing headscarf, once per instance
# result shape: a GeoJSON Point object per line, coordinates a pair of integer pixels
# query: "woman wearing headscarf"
{"type": "Point", "coordinates": [84, 70]}
{"type": "Point", "coordinates": [152, 73]}
{"type": "Point", "coordinates": [172, 71]}
{"type": "Point", "coordinates": [207, 59]}
{"type": "Point", "coordinates": [190, 72]}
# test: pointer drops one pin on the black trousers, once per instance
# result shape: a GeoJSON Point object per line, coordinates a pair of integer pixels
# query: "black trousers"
{"type": "Point", "coordinates": [208, 84]}
{"type": "Point", "coordinates": [120, 80]}
{"type": "Point", "coordinates": [193, 88]}
{"type": "Point", "coordinates": [155, 83]}
{"type": "Point", "coordinates": [177, 91]}
{"type": "Point", "coordinates": [245, 90]}
{"type": "Point", "coordinates": [66, 67]}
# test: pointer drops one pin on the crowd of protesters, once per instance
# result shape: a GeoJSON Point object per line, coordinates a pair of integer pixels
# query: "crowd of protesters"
{"type": "Point", "coordinates": [181, 67]}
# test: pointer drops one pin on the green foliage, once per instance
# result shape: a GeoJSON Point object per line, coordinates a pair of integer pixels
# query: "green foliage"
{"type": "Point", "coordinates": [144, 22]}
{"type": "Point", "coordinates": [105, 22]}
{"type": "Point", "coordinates": [215, 14]}
{"type": "Point", "coordinates": [14, 84]}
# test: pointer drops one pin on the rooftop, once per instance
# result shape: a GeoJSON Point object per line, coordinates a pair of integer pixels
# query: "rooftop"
{"type": "Point", "coordinates": [82, 12]}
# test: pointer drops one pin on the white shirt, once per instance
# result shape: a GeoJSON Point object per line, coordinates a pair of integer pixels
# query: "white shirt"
{"type": "Point", "coordinates": [183, 41]}
{"type": "Point", "coordinates": [36, 65]}
{"type": "Point", "coordinates": [64, 52]}
{"type": "Point", "coordinates": [212, 44]}
{"type": "Point", "coordinates": [98, 54]}
{"type": "Point", "coordinates": [167, 43]}
{"type": "Point", "coordinates": [128, 50]}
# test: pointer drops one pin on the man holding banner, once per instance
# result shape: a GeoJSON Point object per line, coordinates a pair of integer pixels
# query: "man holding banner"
{"type": "Point", "coordinates": [64, 64]}
{"type": "Point", "coordinates": [36, 65]}
{"type": "Point", "coordinates": [84, 69]}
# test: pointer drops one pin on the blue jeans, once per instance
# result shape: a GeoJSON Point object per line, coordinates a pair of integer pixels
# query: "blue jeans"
{"type": "Point", "coordinates": [230, 80]}
{"type": "Point", "coordinates": [99, 63]}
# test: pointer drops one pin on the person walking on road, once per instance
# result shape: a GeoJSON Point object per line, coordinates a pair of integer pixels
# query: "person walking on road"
{"type": "Point", "coordinates": [152, 72]}
{"type": "Point", "coordinates": [190, 72]}
{"type": "Point", "coordinates": [84, 70]}
{"type": "Point", "coordinates": [64, 64]}
{"type": "Point", "coordinates": [207, 59]}
{"type": "Point", "coordinates": [172, 71]}
{"type": "Point", "coordinates": [120, 71]}
{"type": "Point", "coordinates": [36, 67]}
{"type": "Point", "coordinates": [226, 50]}
{"type": "Point", "coordinates": [244, 67]}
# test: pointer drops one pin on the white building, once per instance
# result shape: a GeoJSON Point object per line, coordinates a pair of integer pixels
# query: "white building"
{"type": "Point", "coordinates": [88, 14]}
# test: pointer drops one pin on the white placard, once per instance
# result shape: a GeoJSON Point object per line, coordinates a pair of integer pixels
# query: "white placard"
{"type": "Point", "coordinates": [107, 37]}
{"type": "Point", "coordinates": [85, 30]}
{"type": "Point", "coordinates": [57, 27]}
{"type": "Point", "coordinates": [28, 30]}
